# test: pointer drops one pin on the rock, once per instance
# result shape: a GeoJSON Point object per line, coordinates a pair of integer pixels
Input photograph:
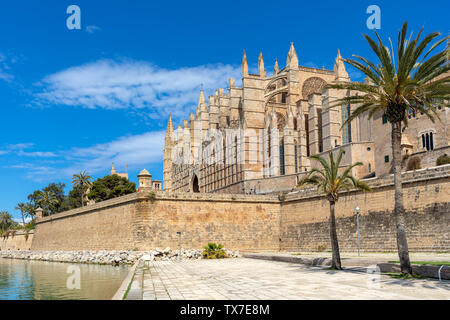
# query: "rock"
{"type": "Point", "coordinates": [148, 257]}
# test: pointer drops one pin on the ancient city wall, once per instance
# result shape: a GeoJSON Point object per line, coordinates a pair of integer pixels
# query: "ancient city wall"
{"type": "Point", "coordinates": [137, 222]}
{"type": "Point", "coordinates": [299, 221]}
{"type": "Point", "coordinates": [19, 241]}
{"type": "Point", "coordinates": [304, 216]}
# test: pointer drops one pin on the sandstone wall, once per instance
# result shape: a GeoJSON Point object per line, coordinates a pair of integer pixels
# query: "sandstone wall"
{"type": "Point", "coordinates": [136, 222]}
{"type": "Point", "coordinates": [304, 216]}
{"type": "Point", "coordinates": [257, 222]}
{"type": "Point", "coordinates": [17, 242]}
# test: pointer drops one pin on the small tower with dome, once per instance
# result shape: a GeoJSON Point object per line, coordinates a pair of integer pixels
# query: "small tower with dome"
{"type": "Point", "coordinates": [145, 181]}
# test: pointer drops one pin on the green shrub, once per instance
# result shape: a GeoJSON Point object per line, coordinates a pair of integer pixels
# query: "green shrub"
{"type": "Point", "coordinates": [213, 251]}
{"type": "Point", "coordinates": [444, 159]}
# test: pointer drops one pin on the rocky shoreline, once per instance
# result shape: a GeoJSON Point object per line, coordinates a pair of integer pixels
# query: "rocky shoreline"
{"type": "Point", "coordinates": [113, 257]}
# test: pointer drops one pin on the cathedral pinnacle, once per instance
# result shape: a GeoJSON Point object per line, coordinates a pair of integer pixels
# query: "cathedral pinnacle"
{"type": "Point", "coordinates": [244, 65]}
{"type": "Point", "coordinates": [292, 58]}
{"type": "Point", "coordinates": [261, 70]}
{"type": "Point", "coordinates": [276, 69]}
{"type": "Point", "coordinates": [339, 69]}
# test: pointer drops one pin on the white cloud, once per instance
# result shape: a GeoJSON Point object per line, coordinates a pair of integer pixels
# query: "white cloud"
{"type": "Point", "coordinates": [5, 62]}
{"type": "Point", "coordinates": [16, 148]}
{"type": "Point", "coordinates": [134, 85]}
{"type": "Point", "coordinates": [92, 29]}
{"type": "Point", "coordinates": [136, 151]}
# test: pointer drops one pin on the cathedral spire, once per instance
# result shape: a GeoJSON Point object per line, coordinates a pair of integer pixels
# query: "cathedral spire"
{"type": "Point", "coordinates": [339, 69]}
{"type": "Point", "coordinates": [276, 69]}
{"type": "Point", "coordinates": [201, 99]}
{"type": "Point", "coordinates": [292, 58]}
{"type": "Point", "coordinates": [261, 71]}
{"type": "Point", "coordinates": [169, 130]}
{"type": "Point", "coordinates": [244, 65]}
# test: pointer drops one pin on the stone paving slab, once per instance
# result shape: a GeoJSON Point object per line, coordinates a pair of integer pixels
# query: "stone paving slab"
{"type": "Point", "coordinates": [251, 279]}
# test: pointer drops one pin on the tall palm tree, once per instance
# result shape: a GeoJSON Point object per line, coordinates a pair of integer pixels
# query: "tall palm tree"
{"type": "Point", "coordinates": [84, 181]}
{"type": "Point", "coordinates": [48, 201]}
{"type": "Point", "coordinates": [30, 210]}
{"type": "Point", "coordinates": [22, 207]}
{"type": "Point", "coordinates": [399, 83]}
{"type": "Point", "coordinates": [330, 182]}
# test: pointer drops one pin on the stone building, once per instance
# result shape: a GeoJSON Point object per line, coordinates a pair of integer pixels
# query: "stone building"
{"type": "Point", "coordinates": [113, 171]}
{"type": "Point", "coordinates": [257, 138]}
{"type": "Point", "coordinates": [423, 141]}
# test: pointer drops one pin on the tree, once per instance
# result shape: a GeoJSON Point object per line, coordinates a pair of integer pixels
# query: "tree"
{"type": "Point", "coordinates": [30, 211]}
{"type": "Point", "coordinates": [5, 221]}
{"type": "Point", "coordinates": [58, 190]}
{"type": "Point", "coordinates": [74, 198]}
{"type": "Point", "coordinates": [110, 187]}
{"type": "Point", "coordinates": [330, 183]}
{"type": "Point", "coordinates": [22, 207]}
{"type": "Point", "coordinates": [411, 83]}
{"type": "Point", "coordinates": [84, 182]}
{"type": "Point", "coordinates": [48, 202]}
{"type": "Point", "coordinates": [55, 189]}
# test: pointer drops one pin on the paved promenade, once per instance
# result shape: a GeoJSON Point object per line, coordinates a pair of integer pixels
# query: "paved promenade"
{"type": "Point", "coordinates": [246, 279]}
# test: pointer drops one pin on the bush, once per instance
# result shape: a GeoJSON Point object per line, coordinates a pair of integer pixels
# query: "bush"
{"type": "Point", "coordinates": [321, 248]}
{"type": "Point", "coordinates": [444, 159]}
{"type": "Point", "coordinates": [414, 164]}
{"type": "Point", "coordinates": [213, 251]}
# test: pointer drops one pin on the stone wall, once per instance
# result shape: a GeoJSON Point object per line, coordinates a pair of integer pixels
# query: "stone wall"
{"type": "Point", "coordinates": [304, 216]}
{"type": "Point", "coordinates": [299, 222]}
{"type": "Point", "coordinates": [20, 241]}
{"type": "Point", "coordinates": [137, 222]}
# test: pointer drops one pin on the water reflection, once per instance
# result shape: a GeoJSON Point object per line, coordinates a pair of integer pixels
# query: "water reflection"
{"type": "Point", "coordinates": [42, 280]}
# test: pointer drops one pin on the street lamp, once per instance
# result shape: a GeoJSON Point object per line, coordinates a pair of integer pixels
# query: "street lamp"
{"type": "Point", "coordinates": [357, 227]}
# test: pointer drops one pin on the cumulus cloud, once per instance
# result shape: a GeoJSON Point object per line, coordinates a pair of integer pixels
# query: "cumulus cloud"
{"type": "Point", "coordinates": [133, 85]}
{"type": "Point", "coordinates": [136, 151]}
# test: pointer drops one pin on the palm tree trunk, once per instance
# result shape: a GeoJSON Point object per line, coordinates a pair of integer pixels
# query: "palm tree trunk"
{"type": "Point", "coordinates": [399, 209]}
{"type": "Point", "coordinates": [336, 257]}
{"type": "Point", "coordinates": [23, 218]}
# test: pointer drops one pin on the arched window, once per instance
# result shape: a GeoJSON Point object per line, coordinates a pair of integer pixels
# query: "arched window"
{"type": "Point", "coordinates": [282, 157]}
{"type": "Point", "coordinates": [346, 128]}
{"type": "Point", "coordinates": [235, 151]}
{"type": "Point", "coordinates": [296, 156]}
{"type": "Point", "coordinates": [428, 140]}
{"type": "Point", "coordinates": [431, 141]}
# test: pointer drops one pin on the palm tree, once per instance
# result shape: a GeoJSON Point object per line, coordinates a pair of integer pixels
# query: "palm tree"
{"type": "Point", "coordinates": [330, 182]}
{"type": "Point", "coordinates": [394, 88]}
{"type": "Point", "coordinates": [5, 220]}
{"type": "Point", "coordinates": [48, 201]}
{"type": "Point", "coordinates": [84, 182]}
{"type": "Point", "coordinates": [22, 207]}
{"type": "Point", "coordinates": [30, 211]}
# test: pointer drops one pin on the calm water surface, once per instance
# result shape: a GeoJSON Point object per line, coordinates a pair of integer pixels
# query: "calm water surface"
{"type": "Point", "coordinates": [42, 280]}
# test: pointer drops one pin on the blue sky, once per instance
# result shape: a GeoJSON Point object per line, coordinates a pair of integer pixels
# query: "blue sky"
{"type": "Point", "coordinates": [80, 99]}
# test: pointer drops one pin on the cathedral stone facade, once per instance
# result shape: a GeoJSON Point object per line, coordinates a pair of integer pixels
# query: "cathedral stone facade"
{"type": "Point", "coordinates": [257, 138]}
{"type": "Point", "coordinates": [246, 136]}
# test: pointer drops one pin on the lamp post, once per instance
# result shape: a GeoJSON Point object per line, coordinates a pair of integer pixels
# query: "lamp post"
{"type": "Point", "coordinates": [179, 244]}
{"type": "Point", "coordinates": [357, 227]}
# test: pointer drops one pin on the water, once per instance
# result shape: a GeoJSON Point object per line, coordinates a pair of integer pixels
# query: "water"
{"type": "Point", "coordinates": [42, 280]}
